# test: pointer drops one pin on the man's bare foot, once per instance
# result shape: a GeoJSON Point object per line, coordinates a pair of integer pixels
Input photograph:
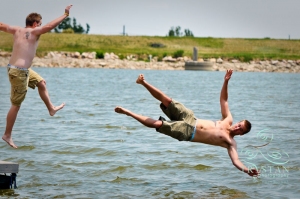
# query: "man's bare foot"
{"type": "Point", "coordinates": [56, 108]}
{"type": "Point", "coordinates": [140, 79]}
{"type": "Point", "coordinates": [9, 141]}
{"type": "Point", "coordinates": [121, 110]}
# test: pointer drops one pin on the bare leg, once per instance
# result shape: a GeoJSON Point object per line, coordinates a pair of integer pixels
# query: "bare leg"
{"type": "Point", "coordinates": [45, 97]}
{"type": "Point", "coordinates": [10, 121]}
{"type": "Point", "coordinates": [149, 122]}
{"type": "Point", "coordinates": [156, 93]}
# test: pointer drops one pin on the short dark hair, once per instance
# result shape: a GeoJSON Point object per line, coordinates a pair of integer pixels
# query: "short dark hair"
{"type": "Point", "coordinates": [33, 17]}
{"type": "Point", "coordinates": [247, 126]}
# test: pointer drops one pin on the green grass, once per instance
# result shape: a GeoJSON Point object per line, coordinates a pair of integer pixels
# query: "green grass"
{"type": "Point", "coordinates": [226, 48]}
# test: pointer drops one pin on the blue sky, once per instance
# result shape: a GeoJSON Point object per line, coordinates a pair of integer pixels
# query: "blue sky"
{"type": "Point", "coordinates": [205, 18]}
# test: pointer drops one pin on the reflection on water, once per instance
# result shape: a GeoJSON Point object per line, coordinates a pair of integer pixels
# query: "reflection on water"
{"type": "Point", "coordinates": [86, 150]}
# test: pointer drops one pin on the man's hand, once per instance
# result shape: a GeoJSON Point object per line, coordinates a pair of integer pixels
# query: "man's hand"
{"type": "Point", "coordinates": [228, 75]}
{"type": "Point", "coordinates": [253, 173]}
{"type": "Point", "coordinates": [67, 10]}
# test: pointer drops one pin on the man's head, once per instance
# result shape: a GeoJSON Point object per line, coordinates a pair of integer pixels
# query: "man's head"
{"type": "Point", "coordinates": [242, 127]}
{"type": "Point", "coordinates": [33, 19]}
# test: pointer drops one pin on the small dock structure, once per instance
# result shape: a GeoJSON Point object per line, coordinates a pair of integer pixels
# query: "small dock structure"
{"type": "Point", "coordinates": [195, 65]}
{"type": "Point", "coordinates": [8, 174]}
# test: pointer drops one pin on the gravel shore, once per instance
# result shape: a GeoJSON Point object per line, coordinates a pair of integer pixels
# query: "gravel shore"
{"type": "Point", "coordinates": [112, 61]}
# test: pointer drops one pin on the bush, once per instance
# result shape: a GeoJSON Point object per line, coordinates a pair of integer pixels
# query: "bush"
{"type": "Point", "coordinates": [178, 53]}
{"type": "Point", "coordinates": [121, 56]}
{"type": "Point", "coordinates": [99, 55]}
{"type": "Point", "coordinates": [247, 58]}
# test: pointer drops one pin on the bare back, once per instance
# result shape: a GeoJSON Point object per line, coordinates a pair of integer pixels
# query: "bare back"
{"type": "Point", "coordinates": [213, 133]}
{"type": "Point", "coordinates": [24, 48]}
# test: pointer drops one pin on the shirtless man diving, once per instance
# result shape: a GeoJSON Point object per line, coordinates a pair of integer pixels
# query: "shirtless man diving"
{"type": "Point", "coordinates": [20, 75]}
{"type": "Point", "coordinates": [184, 126]}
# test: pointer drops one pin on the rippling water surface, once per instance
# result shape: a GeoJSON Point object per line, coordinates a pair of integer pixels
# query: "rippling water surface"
{"type": "Point", "coordinates": [88, 151]}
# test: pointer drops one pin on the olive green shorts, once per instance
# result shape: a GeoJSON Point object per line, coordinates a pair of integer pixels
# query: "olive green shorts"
{"type": "Point", "coordinates": [182, 124]}
{"type": "Point", "coordinates": [20, 80]}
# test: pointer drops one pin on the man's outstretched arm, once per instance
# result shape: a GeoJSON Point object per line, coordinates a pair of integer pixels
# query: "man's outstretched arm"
{"type": "Point", "coordinates": [224, 98]}
{"type": "Point", "coordinates": [238, 164]}
{"type": "Point", "coordinates": [51, 25]}
{"type": "Point", "coordinates": [7, 28]}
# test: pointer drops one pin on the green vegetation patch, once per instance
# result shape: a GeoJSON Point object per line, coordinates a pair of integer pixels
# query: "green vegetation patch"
{"type": "Point", "coordinates": [178, 53]}
{"type": "Point", "coordinates": [157, 46]}
{"type": "Point", "coordinates": [210, 42]}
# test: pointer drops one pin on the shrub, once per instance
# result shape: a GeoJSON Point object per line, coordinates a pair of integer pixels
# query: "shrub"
{"type": "Point", "coordinates": [99, 55]}
{"type": "Point", "coordinates": [121, 56]}
{"type": "Point", "coordinates": [247, 58]}
{"type": "Point", "coordinates": [178, 53]}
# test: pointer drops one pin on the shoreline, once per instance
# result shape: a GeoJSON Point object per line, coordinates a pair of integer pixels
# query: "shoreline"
{"type": "Point", "coordinates": [111, 61]}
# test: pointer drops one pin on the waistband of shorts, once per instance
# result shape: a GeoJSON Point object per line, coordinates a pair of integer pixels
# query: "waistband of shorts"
{"type": "Point", "coordinates": [16, 67]}
{"type": "Point", "coordinates": [194, 132]}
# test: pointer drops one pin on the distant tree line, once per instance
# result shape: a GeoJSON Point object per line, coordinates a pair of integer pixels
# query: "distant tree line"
{"type": "Point", "coordinates": [176, 32]}
{"type": "Point", "coordinates": [70, 26]}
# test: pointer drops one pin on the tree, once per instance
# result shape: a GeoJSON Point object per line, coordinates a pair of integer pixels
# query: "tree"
{"type": "Point", "coordinates": [171, 32]}
{"type": "Point", "coordinates": [176, 32]}
{"type": "Point", "coordinates": [87, 28]}
{"type": "Point", "coordinates": [66, 24]}
{"type": "Point", "coordinates": [188, 33]}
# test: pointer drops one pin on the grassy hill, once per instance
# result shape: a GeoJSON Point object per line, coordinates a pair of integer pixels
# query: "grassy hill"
{"type": "Point", "coordinates": [226, 48]}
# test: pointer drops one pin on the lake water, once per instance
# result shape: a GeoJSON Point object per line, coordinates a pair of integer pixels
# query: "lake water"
{"type": "Point", "coordinates": [88, 151]}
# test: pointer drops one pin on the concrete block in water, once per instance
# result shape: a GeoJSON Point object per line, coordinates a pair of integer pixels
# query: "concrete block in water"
{"type": "Point", "coordinates": [9, 167]}
{"type": "Point", "coordinates": [7, 182]}
{"type": "Point", "coordinates": [194, 65]}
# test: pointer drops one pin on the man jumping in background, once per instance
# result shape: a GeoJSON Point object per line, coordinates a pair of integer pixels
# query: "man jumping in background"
{"type": "Point", "coordinates": [20, 75]}
{"type": "Point", "coordinates": [184, 126]}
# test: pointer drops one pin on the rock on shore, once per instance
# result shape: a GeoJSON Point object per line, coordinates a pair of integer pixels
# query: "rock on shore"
{"type": "Point", "coordinates": [112, 61]}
